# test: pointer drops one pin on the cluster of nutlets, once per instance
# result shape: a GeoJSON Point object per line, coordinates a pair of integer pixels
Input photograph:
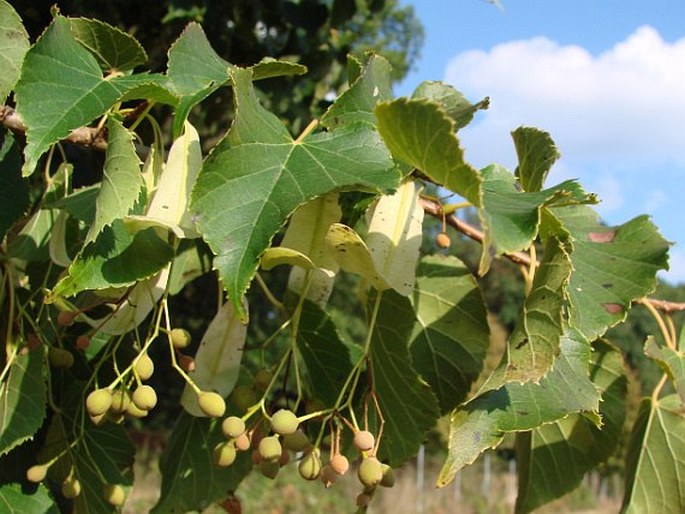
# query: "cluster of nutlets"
{"type": "Point", "coordinates": [271, 452]}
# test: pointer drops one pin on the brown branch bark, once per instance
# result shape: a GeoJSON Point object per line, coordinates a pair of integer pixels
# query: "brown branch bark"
{"type": "Point", "coordinates": [434, 209]}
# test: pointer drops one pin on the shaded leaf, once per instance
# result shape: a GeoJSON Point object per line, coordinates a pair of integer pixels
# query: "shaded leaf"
{"type": "Point", "coordinates": [14, 189]}
{"type": "Point", "coordinates": [190, 479]}
{"type": "Point", "coordinates": [115, 259]}
{"type": "Point", "coordinates": [612, 266]}
{"type": "Point", "coordinates": [14, 43]}
{"type": "Point", "coordinates": [358, 102]}
{"type": "Point", "coordinates": [121, 180]}
{"type": "Point", "coordinates": [326, 358]}
{"type": "Point", "coordinates": [671, 361]}
{"type": "Point", "coordinates": [269, 67]}
{"type": "Point", "coordinates": [217, 361]}
{"type": "Point", "coordinates": [408, 406]}
{"type": "Point", "coordinates": [655, 464]}
{"type": "Point", "coordinates": [536, 153]}
{"type": "Point", "coordinates": [421, 134]}
{"type": "Point", "coordinates": [452, 101]}
{"type": "Point", "coordinates": [258, 176]}
{"type": "Point", "coordinates": [481, 423]}
{"type": "Point", "coordinates": [14, 499]}
{"type": "Point", "coordinates": [553, 459]}
{"type": "Point", "coordinates": [451, 335]}
{"type": "Point", "coordinates": [22, 400]}
{"type": "Point", "coordinates": [114, 49]}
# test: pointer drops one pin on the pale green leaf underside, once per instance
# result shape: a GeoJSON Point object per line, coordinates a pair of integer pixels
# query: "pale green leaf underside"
{"type": "Point", "coordinates": [671, 361]}
{"type": "Point", "coordinates": [121, 180]}
{"type": "Point", "coordinates": [554, 458]}
{"type": "Point", "coordinates": [612, 266]}
{"type": "Point", "coordinates": [481, 423]}
{"type": "Point", "coordinates": [14, 42]}
{"type": "Point", "coordinates": [258, 176]}
{"type": "Point", "coordinates": [421, 134]}
{"type": "Point", "coordinates": [22, 400]}
{"type": "Point", "coordinates": [655, 464]}
{"type": "Point", "coordinates": [451, 334]}
{"type": "Point", "coordinates": [190, 479]}
{"type": "Point", "coordinates": [409, 407]}
{"type": "Point", "coordinates": [14, 499]}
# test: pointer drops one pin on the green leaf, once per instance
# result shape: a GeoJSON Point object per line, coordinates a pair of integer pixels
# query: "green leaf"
{"type": "Point", "coordinates": [121, 180]}
{"type": "Point", "coordinates": [306, 233]}
{"type": "Point", "coordinates": [421, 134]}
{"type": "Point", "coordinates": [115, 50]}
{"type": "Point", "coordinates": [481, 423]}
{"type": "Point", "coordinates": [326, 358]}
{"type": "Point", "coordinates": [452, 101]}
{"type": "Point", "coordinates": [536, 153]}
{"type": "Point", "coordinates": [14, 42]}
{"type": "Point", "coordinates": [358, 102]}
{"type": "Point", "coordinates": [103, 452]}
{"type": "Point", "coordinates": [269, 68]}
{"type": "Point", "coordinates": [451, 335]}
{"type": "Point", "coordinates": [22, 400]}
{"type": "Point", "coordinates": [408, 406]}
{"type": "Point", "coordinates": [61, 88]}
{"type": "Point", "coordinates": [511, 218]}
{"type": "Point", "coordinates": [394, 236]}
{"type": "Point", "coordinates": [612, 267]}
{"type": "Point", "coordinates": [671, 361]}
{"type": "Point", "coordinates": [80, 204]}
{"type": "Point", "coordinates": [115, 259]}
{"type": "Point", "coordinates": [655, 464]}
{"type": "Point", "coordinates": [258, 176]}
{"type": "Point", "coordinates": [15, 499]}
{"type": "Point", "coordinates": [190, 479]}
{"type": "Point", "coordinates": [217, 361]}
{"type": "Point", "coordinates": [534, 343]}
{"type": "Point", "coordinates": [14, 189]}
{"type": "Point", "coordinates": [553, 459]}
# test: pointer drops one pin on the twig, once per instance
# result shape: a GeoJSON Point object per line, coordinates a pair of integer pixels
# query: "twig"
{"type": "Point", "coordinates": [434, 209]}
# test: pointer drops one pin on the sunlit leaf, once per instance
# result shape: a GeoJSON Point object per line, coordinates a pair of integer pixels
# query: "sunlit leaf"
{"type": "Point", "coordinates": [14, 42]}
{"type": "Point", "coordinates": [115, 50]}
{"type": "Point", "coordinates": [452, 101]}
{"type": "Point", "coordinates": [14, 499]}
{"type": "Point", "coordinates": [536, 153]}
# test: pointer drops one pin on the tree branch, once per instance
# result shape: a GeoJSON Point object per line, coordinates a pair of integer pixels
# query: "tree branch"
{"type": "Point", "coordinates": [434, 209]}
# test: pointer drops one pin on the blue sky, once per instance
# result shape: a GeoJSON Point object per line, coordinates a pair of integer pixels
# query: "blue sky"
{"type": "Point", "coordinates": [605, 78]}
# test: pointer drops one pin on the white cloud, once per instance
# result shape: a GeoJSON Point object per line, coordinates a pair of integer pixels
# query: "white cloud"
{"type": "Point", "coordinates": [628, 101]}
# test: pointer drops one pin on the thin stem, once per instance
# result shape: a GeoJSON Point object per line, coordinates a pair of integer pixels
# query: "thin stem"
{"type": "Point", "coordinates": [268, 294]}
{"type": "Point", "coordinates": [660, 321]}
{"type": "Point", "coordinates": [307, 130]}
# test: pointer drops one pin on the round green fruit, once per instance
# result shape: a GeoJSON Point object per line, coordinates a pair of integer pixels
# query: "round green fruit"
{"type": "Point", "coordinates": [145, 398]}
{"type": "Point", "coordinates": [297, 441]}
{"type": "Point", "coordinates": [224, 454]}
{"type": "Point", "coordinates": [244, 397]}
{"type": "Point", "coordinates": [144, 367]}
{"type": "Point", "coordinates": [71, 488]}
{"type": "Point", "coordinates": [60, 358]}
{"type": "Point", "coordinates": [269, 468]}
{"type": "Point", "coordinates": [284, 422]}
{"type": "Point", "coordinates": [270, 448]}
{"type": "Point", "coordinates": [262, 379]}
{"type": "Point", "coordinates": [388, 479]}
{"type": "Point", "coordinates": [180, 338]}
{"type": "Point", "coordinates": [113, 494]}
{"type": "Point", "coordinates": [233, 427]}
{"type": "Point", "coordinates": [310, 466]}
{"type": "Point", "coordinates": [370, 472]}
{"type": "Point", "coordinates": [211, 403]}
{"type": "Point", "coordinates": [98, 402]}
{"type": "Point", "coordinates": [120, 401]}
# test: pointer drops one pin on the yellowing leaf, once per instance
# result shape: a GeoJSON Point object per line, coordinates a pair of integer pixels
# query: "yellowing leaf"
{"type": "Point", "coordinates": [217, 361]}
{"type": "Point", "coordinates": [394, 237]}
{"type": "Point", "coordinates": [273, 257]}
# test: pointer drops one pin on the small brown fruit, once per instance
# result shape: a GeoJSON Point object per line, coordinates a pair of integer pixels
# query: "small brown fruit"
{"type": "Point", "coordinates": [144, 397]}
{"type": "Point", "coordinates": [364, 440]}
{"type": "Point", "coordinates": [66, 318]}
{"type": "Point", "coordinates": [328, 475]}
{"type": "Point", "coordinates": [443, 240]}
{"type": "Point", "coordinates": [363, 500]}
{"type": "Point", "coordinates": [82, 342]}
{"type": "Point", "coordinates": [269, 468]}
{"type": "Point", "coordinates": [211, 403]}
{"type": "Point", "coordinates": [187, 363]}
{"type": "Point", "coordinates": [242, 442]}
{"type": "Point", "coordinates": [339, 464]}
